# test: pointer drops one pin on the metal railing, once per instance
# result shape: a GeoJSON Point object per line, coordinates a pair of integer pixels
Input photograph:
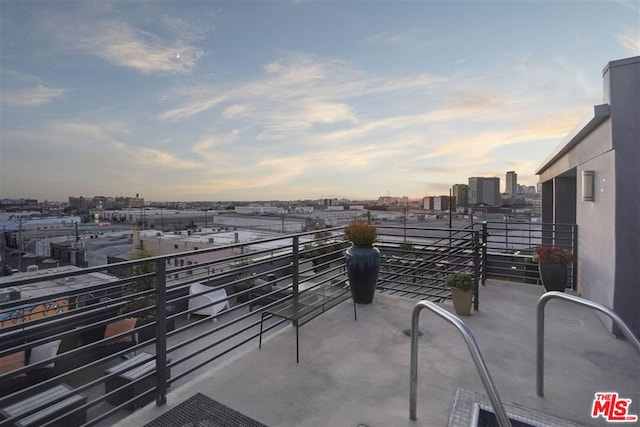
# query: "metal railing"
{"type": "Point", "coordinates": [417, 260]}
{"type": "Point", "coordinates": [509, 247]}
{"type": "Point", "coordinates": [75, 306]}
{"type": "Point", "coordinates": [481, 367]}
{"type": "Point", "coordinates": [542, 302]}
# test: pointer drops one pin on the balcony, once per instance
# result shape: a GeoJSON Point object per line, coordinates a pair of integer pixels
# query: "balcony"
{"type": "Point", "coordinates": [350, 372]}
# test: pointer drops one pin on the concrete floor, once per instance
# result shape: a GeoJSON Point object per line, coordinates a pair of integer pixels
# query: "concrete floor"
{"type": "Point", "coordinates": [357, 373]}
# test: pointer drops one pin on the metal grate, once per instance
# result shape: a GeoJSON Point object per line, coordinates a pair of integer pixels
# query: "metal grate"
{"type": "Point", "coordinates": [201, 411]}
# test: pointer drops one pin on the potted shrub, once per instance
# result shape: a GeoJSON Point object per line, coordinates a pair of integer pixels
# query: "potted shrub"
{"type": "Point", "coordinates": [362, 260]}
{"type": "Point", "coordinates": [552, 264]}
{"type": "Point", "coordinates": [461, 285]}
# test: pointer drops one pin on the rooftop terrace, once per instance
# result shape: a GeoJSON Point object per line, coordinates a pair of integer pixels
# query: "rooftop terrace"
{"type": "Point", "coordinates": [357, 373]}
{"type": "Point", "coordinates": [350, 372]}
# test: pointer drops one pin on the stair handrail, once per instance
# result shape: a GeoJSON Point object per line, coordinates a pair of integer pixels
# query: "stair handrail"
{"type": "Point", "coordinates": [542, 302]}
{"type": "Point", "coordinates": [481, 367]}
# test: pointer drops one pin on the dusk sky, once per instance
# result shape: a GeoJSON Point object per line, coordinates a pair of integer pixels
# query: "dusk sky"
{"type": "Point", "coordinates": [203, 100]}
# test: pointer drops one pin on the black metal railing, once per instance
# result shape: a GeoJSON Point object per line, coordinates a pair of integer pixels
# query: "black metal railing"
{"type": "Point", "coordinates": [417, 260]}
{"type": "Point", "coordinates": [510, 246]}
{"type": "Point", "coordinates": [75, 308]}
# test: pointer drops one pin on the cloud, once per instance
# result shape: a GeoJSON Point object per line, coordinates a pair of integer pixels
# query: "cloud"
{"type": "Point", "coordinates": [292, 95]}
{"type": "Point", "coordinates": [192, 108]}
{"type": "Point", "coordinates": [476, 148]}
{"type": "Point", "coordinates": [630, 39]}
{"type": "Point", "coordinates": [170, 48]}
{"type": "Point", "coordinates": [123, 45]}
{"type": "Point", "coordinates": [392, 37]}
{"type": "Point", "coordinates": [235, 110]}
{"type": "Point", "coordinates": [31, 97]}
{"type": "Point", "coordinates": [155, 157]}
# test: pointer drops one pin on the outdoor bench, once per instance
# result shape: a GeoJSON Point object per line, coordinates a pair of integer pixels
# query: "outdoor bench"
{"type": "Point", "coordinates": [46, 410]}
{"type": "Point", "coordinates": [133, 376]}
{"type": "Point", "coordinates": [309, 304]}
{"type": "Point", "coordinates": [64, 363]}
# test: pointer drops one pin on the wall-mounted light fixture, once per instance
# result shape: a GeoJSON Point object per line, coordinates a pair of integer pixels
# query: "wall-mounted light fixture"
{"type": "Point", "coordinates": [587, 186]}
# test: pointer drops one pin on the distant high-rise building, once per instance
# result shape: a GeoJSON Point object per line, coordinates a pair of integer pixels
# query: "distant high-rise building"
{"type": "Point", "coordinates": [512, 183]}
{"type": "Point", "coordinates": [80, 204]}
{"type": "Point", "coordinates": [484, 191]}
{"type": "Point", "coordinates": [460, 194]}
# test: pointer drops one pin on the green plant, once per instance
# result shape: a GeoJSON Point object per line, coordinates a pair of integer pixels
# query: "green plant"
{"type": "Point", "coordinates": [461, 281]}
{"type": "Point", "coordinates": [361, 233]}
{"type": "Point", "coordinates": [142, 282]}
{"type": "Point", "coordinates": [552, 255]}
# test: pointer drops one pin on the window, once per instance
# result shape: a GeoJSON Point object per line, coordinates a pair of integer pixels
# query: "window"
{"type": "Point", "coordinates": [195, 248]}
{"type": "Point", "coordinates": [175, 246]}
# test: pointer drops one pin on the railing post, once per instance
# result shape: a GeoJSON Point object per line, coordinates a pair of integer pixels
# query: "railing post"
{"type": "Point", "coordinates": [485, 235]}
{"type": "Point", "coordinates": [574, 266]}
{"type": "Point", "coordinates": [295, 267]}
{"type": "Point", "coordinates": [472, 346]}
{"type": "Point", "coordinates": [476, 268]}
{"type": "Point", "coordinates": [542, 302]}
{"type": "Point", "coordinates": [161, 332]}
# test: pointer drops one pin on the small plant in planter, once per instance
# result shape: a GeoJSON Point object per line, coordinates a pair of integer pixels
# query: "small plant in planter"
{"type": "Point", "coordinates": [552, 264]}
{"type": "Point", "coordinates": [553, 255]}
{"type": "Point", "coordinates": [361, 233]}
{"type": "Point", "coordinates": [362, 260]}
{"type": "Point", "coordinates": [461, 285]}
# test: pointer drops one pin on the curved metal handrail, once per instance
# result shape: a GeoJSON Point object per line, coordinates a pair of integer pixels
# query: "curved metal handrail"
{"type": "Point", "coordinates": [542, 302]}
{"type": "Point", "coordinates": [498, 408]}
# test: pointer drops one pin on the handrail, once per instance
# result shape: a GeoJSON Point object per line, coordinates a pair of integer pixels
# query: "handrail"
{"type": "Point", "coordinates": [542, 302]}
{"type": "Point", "coordinates": [498, 408]}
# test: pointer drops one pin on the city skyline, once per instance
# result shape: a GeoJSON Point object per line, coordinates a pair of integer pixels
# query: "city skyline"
{"type": "Point", "coordinates": [293, 100]}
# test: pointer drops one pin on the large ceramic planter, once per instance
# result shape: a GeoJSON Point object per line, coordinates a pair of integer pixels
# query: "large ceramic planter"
{"type": "Point", "coordinates": [363, 265]}
{"type": "Point", "coordinates": [462, 301]}
{"type": "Point", "coordinates": [553, 276]}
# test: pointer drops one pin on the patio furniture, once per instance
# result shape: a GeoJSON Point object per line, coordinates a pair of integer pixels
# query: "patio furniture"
{"type": "Point", "coordinates": [309, 304]}
{"type": "Point", "coordinates": [134, 374]}
{"type": "Point", "coordinates": [48, 410]}
{"type": "Point", "coordinates": [207, 304]}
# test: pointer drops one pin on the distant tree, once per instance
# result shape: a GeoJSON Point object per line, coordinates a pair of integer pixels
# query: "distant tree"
{"type": "Point", "coordinates": [142, 282]}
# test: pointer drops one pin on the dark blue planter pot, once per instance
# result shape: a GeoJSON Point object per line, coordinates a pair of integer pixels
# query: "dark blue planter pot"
{"type": "Point", "coordinates": [363, 265]}
{"type": "Point", "coordinates": [553, 276]}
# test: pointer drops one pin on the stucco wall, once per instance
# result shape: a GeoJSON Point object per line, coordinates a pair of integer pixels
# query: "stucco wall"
{"type": "Point", "coordinates": [596, 232]}
{"type": "Point", "coordinates": [623, 79]}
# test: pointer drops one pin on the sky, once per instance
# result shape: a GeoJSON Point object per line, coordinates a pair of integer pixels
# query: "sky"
{"type": "Point", "coordinates": [286, 100]}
